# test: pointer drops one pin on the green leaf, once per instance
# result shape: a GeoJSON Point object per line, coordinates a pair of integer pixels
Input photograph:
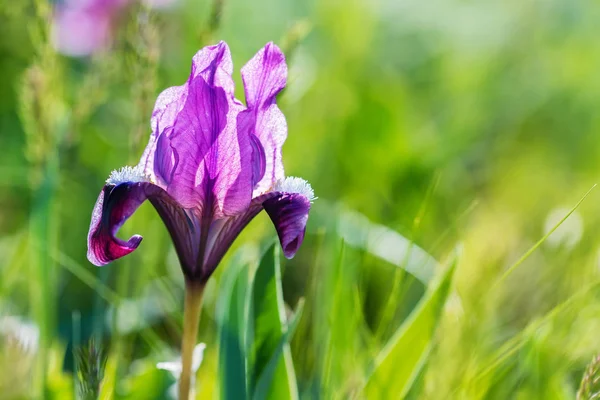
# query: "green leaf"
{"type": "Point", "coordinates": [267, 384]}
{"type": "Point", "coordinates": [270, 363]}
{"type": "Point", "coordinates": [400, 361]}
{"type": "Point", "coordinates": [231, 318]}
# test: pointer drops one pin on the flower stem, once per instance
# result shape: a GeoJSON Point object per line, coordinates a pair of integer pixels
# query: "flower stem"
{"type": "Point", "coordinates": [191, 321]}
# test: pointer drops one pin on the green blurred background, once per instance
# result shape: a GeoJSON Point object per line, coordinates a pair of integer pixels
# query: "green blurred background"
{"type": "Point", "coordinates": [425, 129]}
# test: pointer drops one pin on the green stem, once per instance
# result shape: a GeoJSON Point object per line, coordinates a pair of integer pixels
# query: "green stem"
{"type": "Point", "coordinates": [43, 233]}
{"type": "Point", "coordinates": [191, 320]}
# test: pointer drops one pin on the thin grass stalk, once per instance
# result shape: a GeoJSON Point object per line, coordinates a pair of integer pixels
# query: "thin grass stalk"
{"type": "Point", "coordinates": [514, 344]}
{"type": "Point", "coordinates": [142, 54]}
{"type": "Point", "coordinates": [400, 284]}
{"type": "Point", "coordinates": [76, 342]}
{"type": "Point", "coordinates": [42, 270]}
{"type": "Point", "coordinates": [334, 278]}
{"type": "Point", "coordinates": [320, 285]}
{"type": "Point", "coordinates": [139, 53]}
{"type": "Point", "coordinates": [590, 386]}
{"type": "Point", "coordinates": [533, 248]}
{"type": "Point", "coordinates": [44, 120]}
{"type": "Point", "coordinates": [103, 291]}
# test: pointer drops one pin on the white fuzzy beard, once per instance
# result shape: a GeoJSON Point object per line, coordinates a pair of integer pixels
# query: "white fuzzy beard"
{"type": "Point", "coordinates": [292, 184]}
{"type": "Point", "coordinates": [127, 174]}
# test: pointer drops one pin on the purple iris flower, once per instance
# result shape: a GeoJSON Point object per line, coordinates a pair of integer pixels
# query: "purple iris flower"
{"type": "Point", "coordinates": [211, 165]}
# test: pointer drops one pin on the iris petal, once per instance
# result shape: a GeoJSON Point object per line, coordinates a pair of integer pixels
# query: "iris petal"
{"type": "Point", "coordinates": [222, 234]}
{"type": "Point", "coordinates": [116, 203]}
{"type": "Point", "coordinates": [289, 213]}
{"type": "Point", "coordinates": [264, 76]}
{"type": "Point", "coordinates": [204, 161]}
{"type": "Point", "coordinates": [168, 104]}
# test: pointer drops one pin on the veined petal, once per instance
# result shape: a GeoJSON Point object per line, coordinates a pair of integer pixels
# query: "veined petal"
{"type": "Point", "coordinates": [166, 109]}
{"type": "Point", "coordinates": [114, 205]}
{"type": "Point", "coordinates": [288, 206]}
{"type": "Point", "coordinates": [264, 76]}
{"type": "Point", "coordinates": [205, 161]}
{"type": "Point", "coordinates": [168, 104]}
{"type": "Point", "coordinates": [117, 202]}
{"type": "Point", "coordinates": [223, 232]}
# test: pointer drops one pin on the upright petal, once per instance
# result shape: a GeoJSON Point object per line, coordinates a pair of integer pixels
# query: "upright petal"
{"type": "Point", "coordinates": [264, 76]}
{"type": "Point", "coordinates": [117, 202]}
{"type": "Point", "coordinates": [166, 109]}
{"type": "Point", "coordinates": [168, 104]}
{"type": "Point", "coordinates": [205, 161]}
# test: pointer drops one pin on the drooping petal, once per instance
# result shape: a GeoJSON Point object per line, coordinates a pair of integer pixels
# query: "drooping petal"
{"type": "Point", "coordinates": [117, 202]}
{"type": "Point", "coordinates": [289, 213]}
{"type": "Point", "coordinates": [114, 205]}
{"type": "Point", "coordinates": [204, 161]}
{"type": "Point", "coordinates": [288, 210]}
{"type": "Point", "coordinates": [264, 76]}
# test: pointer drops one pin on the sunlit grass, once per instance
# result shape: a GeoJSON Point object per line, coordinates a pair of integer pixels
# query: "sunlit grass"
{"type": "Point", "coordinates": [426, 129]}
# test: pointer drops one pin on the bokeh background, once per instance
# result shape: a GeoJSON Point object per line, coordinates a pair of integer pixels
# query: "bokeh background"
{"type": "Point", "coordinates": [428, 130]}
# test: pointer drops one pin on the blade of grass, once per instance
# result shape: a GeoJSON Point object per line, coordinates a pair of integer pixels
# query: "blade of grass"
{"type": "Point", "coordinates": [515, 343]}
{"type": "Point", "coordinates": [400, 282]}
{"type": "Point", "coordinates": [543, 239]}
{"type": "Point", "coordinates": [42, 228]}
{"type": "Point", "coordinates": [411, 344]}
{"type": "Point", "coordinates": [231, 313]}
{"type": "Point", "coordinates": [332, 283]}
{"type": "Point", "coordinates": [265, 381]}
{"type": "Point", "coordinates": [14, 264]}
{"type": "Point", "coordinates": [453, 226]}
{"type": "Point", "coordinates": [76, 342]}
{"type": "Point", "coordinates": [85, 276]}
{"type": "Point", "coordinates": [266, 326]}
{"type": "Point", "coordinates": [105, 292]}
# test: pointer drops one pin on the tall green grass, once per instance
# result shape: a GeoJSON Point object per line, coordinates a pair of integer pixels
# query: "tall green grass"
{"type": "Point", "coordinates": [428, 129]}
